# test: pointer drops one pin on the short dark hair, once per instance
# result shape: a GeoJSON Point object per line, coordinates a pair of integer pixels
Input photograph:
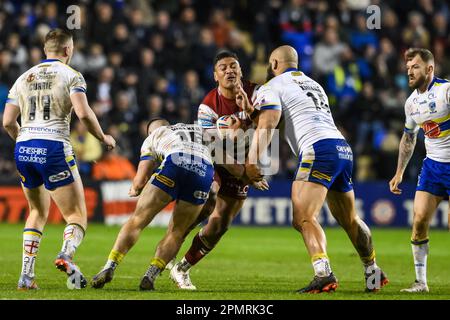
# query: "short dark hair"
{"type": "Point", "coordinates": [224, 54]}
{"type": "Point", "coordinates": [424, 54]}
{"type": "Point", "coordinates": [56, 39]}
{"type": "Point", "coordinates": [155, 119]}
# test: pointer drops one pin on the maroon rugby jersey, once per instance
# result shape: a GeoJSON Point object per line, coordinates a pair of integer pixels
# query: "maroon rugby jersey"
{"type": "Point", "coordinates": [215, 105]}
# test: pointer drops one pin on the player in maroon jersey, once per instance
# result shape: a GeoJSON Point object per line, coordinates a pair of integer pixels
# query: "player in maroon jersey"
{"type": "Point", "coordinates": [232, 191]}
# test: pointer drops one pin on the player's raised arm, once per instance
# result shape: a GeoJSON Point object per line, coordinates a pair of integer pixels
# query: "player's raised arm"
{"type": "Point", "coordinates": [246, 105]}
{"type": "Point", "coordinates": [88, 118]}
{"type": "Point", "coordinates": [10, 123]}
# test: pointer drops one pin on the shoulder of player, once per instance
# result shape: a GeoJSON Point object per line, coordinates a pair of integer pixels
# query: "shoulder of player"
{"type": "Point", "coordinates": [148, 142]}
{"type": "Point", "coordinates": [23, 75]}
{"type": "Point", "coordinates": [272, 84]}
{"type": "Point", "coordinates": [69, 69]}
{"type": "Point", "coordinates": [410, 100]}
{"type": "Point", "coordinates": [210, 98]}
{"type": "Point", "coordinates": [442, 85]}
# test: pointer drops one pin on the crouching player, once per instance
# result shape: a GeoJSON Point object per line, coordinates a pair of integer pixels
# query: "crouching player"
{"type": "Point", "coordinates": [185, 175]}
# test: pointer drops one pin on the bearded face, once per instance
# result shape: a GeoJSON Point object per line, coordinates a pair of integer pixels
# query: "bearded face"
{"type": "Point", "coordinates": [417, 72]}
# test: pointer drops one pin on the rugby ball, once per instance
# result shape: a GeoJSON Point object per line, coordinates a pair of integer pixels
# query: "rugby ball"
{"type": "Point", "coordinates": [226, 125]}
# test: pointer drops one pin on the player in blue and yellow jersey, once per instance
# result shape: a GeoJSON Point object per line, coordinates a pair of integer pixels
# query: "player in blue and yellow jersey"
{"type": "Point", "coordinates": [185, 174]}
{"type": "Point", "coordinates": [428, 108]}
{"type": "Point", "coordinates": [298, 105]}
{"type": "Point", "coordinates": [44, 97]}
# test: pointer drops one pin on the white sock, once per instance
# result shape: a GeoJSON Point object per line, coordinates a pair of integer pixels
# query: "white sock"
{"type": "Point", "coordinates": [31, 241]}
{"type": "Point", "coordinates": [73, 235]}
{"type": "Point", "coordinates": [321, 265]}
{"type": "Point", "coordinates": [420, 253]}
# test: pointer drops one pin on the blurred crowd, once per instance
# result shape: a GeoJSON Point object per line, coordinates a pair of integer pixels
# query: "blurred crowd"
{"type": "Point", "coordinates": [154, 58]}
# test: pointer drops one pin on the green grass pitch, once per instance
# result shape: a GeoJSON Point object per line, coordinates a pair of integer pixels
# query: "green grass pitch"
{"type": "Point", "coordinates": [249, 263]}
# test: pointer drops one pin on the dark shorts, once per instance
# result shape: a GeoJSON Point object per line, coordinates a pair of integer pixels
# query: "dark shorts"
{"type": "Point", "coordinates": [188, 180]}
{"type": "Point", "coordinates": [328, 162]}
{"type": "Point", "coordinates": [47, 162]}
{"type": "Point", "coordinates": [229, 185]}
{"type": "Point", "coordinates": [434, 178]}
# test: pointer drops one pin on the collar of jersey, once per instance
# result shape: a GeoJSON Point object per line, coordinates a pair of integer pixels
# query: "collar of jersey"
{"type": "Point", "coordinates": [50, 60]}
{"type": "Point", "coordinates": [436, 80]}
{"type": "Point", "coordinates": [290, 69]}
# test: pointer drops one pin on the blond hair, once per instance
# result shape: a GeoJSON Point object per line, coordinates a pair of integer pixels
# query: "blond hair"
{"type": "Point", "coordinates": [56, 40]}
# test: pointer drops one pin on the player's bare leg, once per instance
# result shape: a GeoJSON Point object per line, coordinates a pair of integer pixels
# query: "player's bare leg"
{"type": "Point", "coordinates": [425, 205]}
{"type": "Point", "coordinates": [205, 240]}
{"type": "Point", "coordinates": [70, 201]}
{"type": "Point", "coordinates": [39, 204]}
{"type": "Point", "coordinates": [151, 201]}
{"type": "Point", "coordinates": [307, 200]}
{"type": "Point", "coordinates": [342, 207]}
{"type": "Point", "coordinates": [206, 211]}
{"type": "Point", "coordinates": [184, 214]}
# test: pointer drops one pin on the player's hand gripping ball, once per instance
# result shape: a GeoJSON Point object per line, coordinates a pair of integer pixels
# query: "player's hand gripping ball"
{"type": "Point", "coordinates": [227, 126]}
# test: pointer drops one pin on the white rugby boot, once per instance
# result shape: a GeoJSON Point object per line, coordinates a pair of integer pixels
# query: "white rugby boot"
{"type": "Point", "coordinates": [417, 287]}
{"type": "Point", "coordinates": [181, 278]}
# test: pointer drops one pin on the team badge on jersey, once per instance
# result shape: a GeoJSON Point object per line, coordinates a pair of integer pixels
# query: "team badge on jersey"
{"type": "Point", "coordinates": [432, 107]}
{"type": "Point", "coordinates": [31, 77]}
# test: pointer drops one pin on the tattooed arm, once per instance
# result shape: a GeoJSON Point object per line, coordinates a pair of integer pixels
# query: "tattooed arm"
{"type": "Point", "coordinates": [406, 149]}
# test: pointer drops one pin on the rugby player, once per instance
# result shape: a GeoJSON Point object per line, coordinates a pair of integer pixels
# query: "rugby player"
{"type": "Point", "coordinates": [230, 183]}
{"type": "Point", "coordinates": [426, 108]}
{"type": "Point", "coordinates": [44, 96]}
{"type": "Point", "coordinates": [185, 174]}
{"type": "Point", "coordinates": [325, 164]}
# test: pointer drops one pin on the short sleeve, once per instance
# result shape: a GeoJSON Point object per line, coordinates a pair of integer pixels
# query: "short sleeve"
{"type": "Point", "coordinates": [77, 84]}
{"type": "Point", "coordinates": [13, 97]}
{"type": "Point", "coordinates": [410, 125]}
{"type": "Point", "coordinates": [447, 94]}
{"type": "Point", "coordinates": [206, 117]}
{"type": "Point", "coordinates": [267, 98]}
{"type": "Point", "coordinates": [147, 150]}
